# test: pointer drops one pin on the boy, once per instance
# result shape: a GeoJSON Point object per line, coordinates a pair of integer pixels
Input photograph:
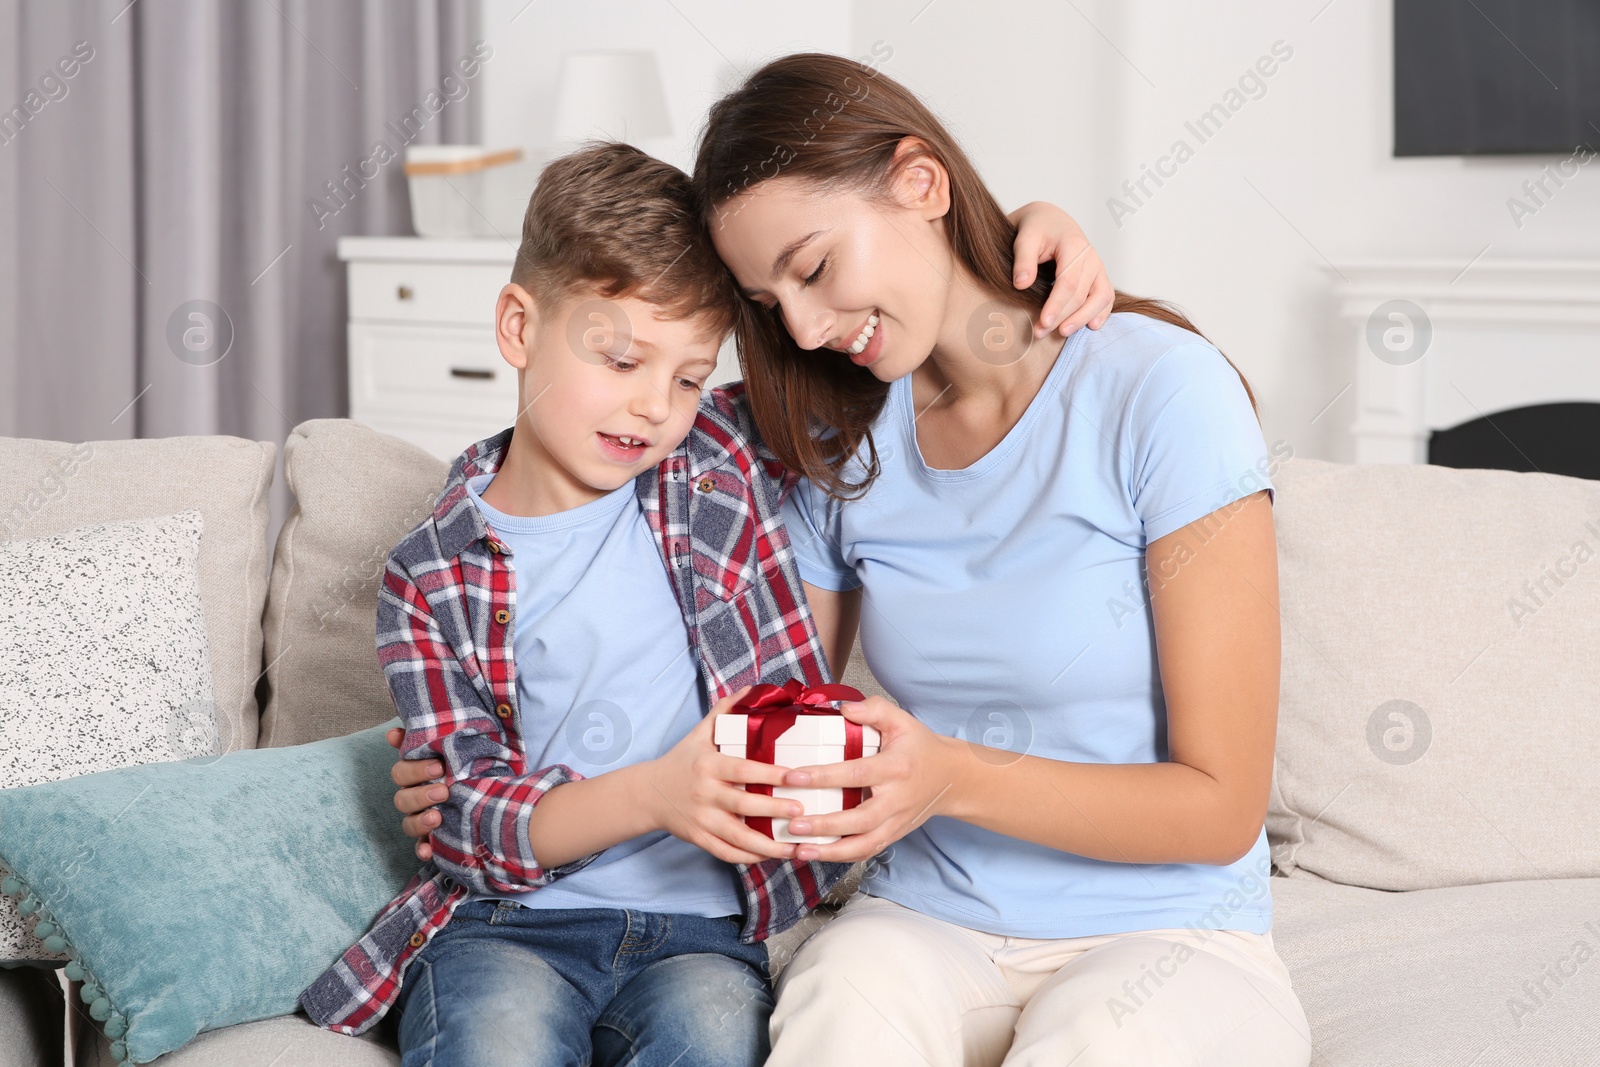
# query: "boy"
{"type": "Point", "coordinates": [529, 641]}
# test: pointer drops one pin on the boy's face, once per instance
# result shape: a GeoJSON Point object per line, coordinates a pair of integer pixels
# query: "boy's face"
{"type": "Point", "coordinates": [608, 390]}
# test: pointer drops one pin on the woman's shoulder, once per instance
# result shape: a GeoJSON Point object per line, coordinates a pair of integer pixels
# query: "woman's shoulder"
{"type": "Point", "coordinates": [1132, 343]}
{"type": "Point", "coordinates": [1134, 356]}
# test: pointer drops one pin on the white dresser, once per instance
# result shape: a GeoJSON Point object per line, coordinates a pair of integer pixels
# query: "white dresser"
{"type": "Point", "coordinates": [423, 361]}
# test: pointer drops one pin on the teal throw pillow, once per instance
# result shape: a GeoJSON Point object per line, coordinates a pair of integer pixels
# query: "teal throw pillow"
{"type": "Point", "coordinates": [196, 894]}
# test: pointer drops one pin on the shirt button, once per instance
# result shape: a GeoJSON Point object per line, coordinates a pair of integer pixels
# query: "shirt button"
{"type": "Point", "coordinates": [503, 710]}
{"type": "Point", "coordinates": [502, 616]}
{"type": "Point", "coordinates": [705, 485]}
{"type": "Point", "coordinates": [417, 939]}
{"type": "Point", "coordinates": [494, 546]}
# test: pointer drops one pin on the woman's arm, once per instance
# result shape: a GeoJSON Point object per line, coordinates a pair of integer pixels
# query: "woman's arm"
{"type": "Point", "coordinates": [418, 791]}
{"type": "Point", "coordinates": [1214, 599]}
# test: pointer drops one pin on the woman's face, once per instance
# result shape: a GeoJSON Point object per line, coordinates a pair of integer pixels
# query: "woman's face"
{"type": "Point", "coordinates": [844, 269]}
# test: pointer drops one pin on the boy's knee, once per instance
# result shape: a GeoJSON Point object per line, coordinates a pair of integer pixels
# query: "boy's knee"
{"type": "Point", "coordinates": [484, 1000]}
{"type": "Point", "coordinates": [704, 1003]}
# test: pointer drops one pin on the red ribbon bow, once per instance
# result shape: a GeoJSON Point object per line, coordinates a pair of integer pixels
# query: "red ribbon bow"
{"type": "Point", "coordinates": [772, 709]}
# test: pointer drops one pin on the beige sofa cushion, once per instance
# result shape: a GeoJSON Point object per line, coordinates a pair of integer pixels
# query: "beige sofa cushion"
{"type": "Point", "coordinates": [1504, 973]}
{"type": "Point", "coordinates": [47, 487]}
{"type": "Point", "coordinates": [1440, 712]}
{"type": "Point", "coordinates": [357, 492]}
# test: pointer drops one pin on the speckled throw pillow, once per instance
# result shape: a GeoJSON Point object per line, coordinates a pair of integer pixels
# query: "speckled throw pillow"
{"type": "Point", "coordinates": [103, 662]}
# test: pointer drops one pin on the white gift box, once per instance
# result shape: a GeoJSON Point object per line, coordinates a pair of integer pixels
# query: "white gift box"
{"type": "Point", "coordinates": [813, 739]}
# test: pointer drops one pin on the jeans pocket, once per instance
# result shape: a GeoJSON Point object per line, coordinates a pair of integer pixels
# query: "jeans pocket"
{"type": "Point", "coordinates": [475, 911]}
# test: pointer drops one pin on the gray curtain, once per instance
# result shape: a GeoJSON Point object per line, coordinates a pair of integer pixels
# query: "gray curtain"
{"type": "Point", "coordinates": [173, 172]}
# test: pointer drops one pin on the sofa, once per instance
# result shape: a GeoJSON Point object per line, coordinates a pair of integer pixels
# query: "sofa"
{"type": "Point", "coordinates": [1434, 815]}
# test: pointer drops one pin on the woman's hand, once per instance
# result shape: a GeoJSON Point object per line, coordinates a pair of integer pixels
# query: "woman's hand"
{"type": "Point", "coordinates": [1082, 292]}
{"type": "Point", "coordinates": [417, 795]}
{"type": "Point", "coordinates": [912, 772]}
{"type": "Point", "coordinates": [691, 794]}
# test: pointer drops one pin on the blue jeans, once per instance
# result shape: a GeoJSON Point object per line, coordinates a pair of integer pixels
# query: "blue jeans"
{"type": "Point", "coordinates": [502, 985]}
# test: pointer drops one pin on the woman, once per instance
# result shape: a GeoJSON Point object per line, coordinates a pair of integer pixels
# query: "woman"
{"type": "Point", "coordinates": [1063, 564]}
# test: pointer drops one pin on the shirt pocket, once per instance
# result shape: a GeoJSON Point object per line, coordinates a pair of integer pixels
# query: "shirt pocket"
{"type": "Point", "coordinates": [722, 534]}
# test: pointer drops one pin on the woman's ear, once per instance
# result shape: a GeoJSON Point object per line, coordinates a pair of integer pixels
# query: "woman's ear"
{"type": "Point", "coordinates": [920, 182]}
{"type": "Point", "coordinates": [516, 321]}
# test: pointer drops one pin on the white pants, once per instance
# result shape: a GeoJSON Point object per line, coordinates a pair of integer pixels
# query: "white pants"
{"type": "Point", "coordinates": [885, 984]}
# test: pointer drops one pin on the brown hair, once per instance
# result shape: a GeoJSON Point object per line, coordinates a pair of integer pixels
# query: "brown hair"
{"type": "Point", "coordinates": [838, 122]}
{"type": "Point", "coordinates": [611, 217]}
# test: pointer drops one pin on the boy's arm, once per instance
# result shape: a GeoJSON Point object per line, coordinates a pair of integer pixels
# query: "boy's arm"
{"type": "Point", "coordinates": [1082, 293]}
{"type": "Point", "coordinates": [482, 840]}
{"type": "Point", "coordinates": [489, 815]}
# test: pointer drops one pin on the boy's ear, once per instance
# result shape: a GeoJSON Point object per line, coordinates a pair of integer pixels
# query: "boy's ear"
{"type": "Point", "coordinates": [516, 322]}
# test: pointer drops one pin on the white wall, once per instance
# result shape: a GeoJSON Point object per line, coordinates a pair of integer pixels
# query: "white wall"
{"type": "Point", "coordinates": [1067, 101]}
{"type": "Point", "coordinates": [700, 44]}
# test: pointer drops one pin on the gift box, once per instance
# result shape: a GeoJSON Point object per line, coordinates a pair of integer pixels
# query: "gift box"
{"type": "Point", "coordinates": [792, 726]}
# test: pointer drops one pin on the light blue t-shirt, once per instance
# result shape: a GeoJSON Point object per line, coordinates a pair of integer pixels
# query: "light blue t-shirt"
{"type": "Point", "coordinates": [605, 678]}
{"type": "Point", "coordinates": [1005, 603]}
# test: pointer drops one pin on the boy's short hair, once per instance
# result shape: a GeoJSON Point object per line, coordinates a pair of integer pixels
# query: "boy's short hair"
{"type": "Point", "coordinates": [612, 218]}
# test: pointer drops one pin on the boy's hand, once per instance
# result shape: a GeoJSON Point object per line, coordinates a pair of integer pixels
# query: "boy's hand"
{"type": "Point", "coordinates": [1082, 292]}
{"type": "Point", "coordinates": [417, 795]}
{"type": "Point", "coordinates": [691, 795]}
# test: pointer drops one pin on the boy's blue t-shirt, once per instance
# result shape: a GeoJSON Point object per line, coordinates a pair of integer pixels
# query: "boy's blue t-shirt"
{"type": "Point", "coordinates": [605, 678]}
{"type": "Point", "coordinates": [1006, 603]}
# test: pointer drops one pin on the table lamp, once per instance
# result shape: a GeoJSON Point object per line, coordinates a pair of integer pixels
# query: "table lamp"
{"type": "Point", "coordinates": [615, 94]}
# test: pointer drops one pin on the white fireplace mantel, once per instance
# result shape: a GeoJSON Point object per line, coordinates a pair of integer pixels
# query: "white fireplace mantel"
{"type": "Point", "coordinates": [1499, 334]}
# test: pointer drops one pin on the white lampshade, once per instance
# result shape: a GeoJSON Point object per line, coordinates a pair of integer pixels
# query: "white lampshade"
{"type": "Point", "coordinates": [615, 95]}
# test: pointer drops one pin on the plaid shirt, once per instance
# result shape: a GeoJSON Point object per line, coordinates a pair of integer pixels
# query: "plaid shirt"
{"type": "Point", "coordinates": [446, 618]}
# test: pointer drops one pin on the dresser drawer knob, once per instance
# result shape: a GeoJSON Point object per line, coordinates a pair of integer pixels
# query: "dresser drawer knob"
{"type": "Point", "coordinates": [404, 292]}
{"type": "Point", "coordinates": [471, 372]}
